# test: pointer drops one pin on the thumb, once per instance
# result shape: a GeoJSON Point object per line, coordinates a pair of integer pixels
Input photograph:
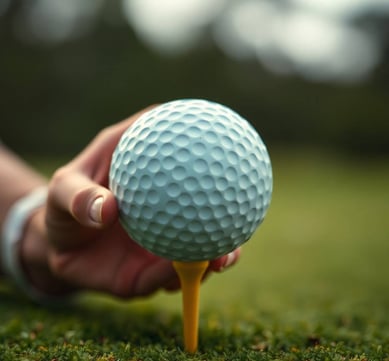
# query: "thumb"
{"type": "Point", "coordinates": [89, 203]}
{"type": "Point", "coordinates": [94, 206]}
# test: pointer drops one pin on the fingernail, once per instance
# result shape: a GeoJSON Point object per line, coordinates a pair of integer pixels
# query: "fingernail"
{"type": "Point", "coordinates": [96, 209]}
{"type": "Point", "coordinates": [231, 258]}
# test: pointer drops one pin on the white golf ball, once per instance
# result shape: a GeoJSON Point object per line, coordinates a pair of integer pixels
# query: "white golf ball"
{"type": "Point", "coordinates": [192, 179]}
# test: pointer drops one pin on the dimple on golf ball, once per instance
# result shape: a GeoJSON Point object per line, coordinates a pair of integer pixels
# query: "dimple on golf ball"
{"type": "Point", "coordinates": [192, 179]}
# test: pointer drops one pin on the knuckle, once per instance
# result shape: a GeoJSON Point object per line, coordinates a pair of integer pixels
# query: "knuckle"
{"type": "Point", "coordinates": [106, 133]}
{"type": "Point", "coordinates": [58, 177]}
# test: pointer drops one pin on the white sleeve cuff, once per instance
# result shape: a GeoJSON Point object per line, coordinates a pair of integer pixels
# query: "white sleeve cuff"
{"type": "Point", "coordinates": [12, 233]}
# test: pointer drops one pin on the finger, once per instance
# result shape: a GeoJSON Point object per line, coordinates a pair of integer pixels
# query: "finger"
{"type": "Point", "coordinates": [159, 274]}
{"type": "Point", "coordinates": [111, 267]}
{"type": "Point", "coordinates": [224, 262]}
{"type": "Point", "coordinates": [173, 285]}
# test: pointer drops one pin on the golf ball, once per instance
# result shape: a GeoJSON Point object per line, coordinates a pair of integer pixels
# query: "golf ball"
{"type": "Point", "coordinates": [192, 179]}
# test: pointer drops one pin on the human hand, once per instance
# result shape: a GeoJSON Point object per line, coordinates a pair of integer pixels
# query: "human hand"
{"type": "Point", "coordinates": [85, 245]}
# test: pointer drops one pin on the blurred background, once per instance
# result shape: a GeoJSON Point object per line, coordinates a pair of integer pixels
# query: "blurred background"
{"type": "Point", "coordinates": [304, 72]}
{"type": "Point", "coordinates": [311, 75]}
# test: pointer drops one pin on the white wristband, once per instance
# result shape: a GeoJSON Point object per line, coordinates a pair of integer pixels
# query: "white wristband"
{"type": "Point", "coordinates": [12, 233]}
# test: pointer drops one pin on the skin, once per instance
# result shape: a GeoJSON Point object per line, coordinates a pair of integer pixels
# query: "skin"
{"type": "Point", "coordinates": [74, 241]}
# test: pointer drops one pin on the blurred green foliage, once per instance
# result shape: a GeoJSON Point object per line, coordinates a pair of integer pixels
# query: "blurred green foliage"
{"type": "Point", "coordinates": [55, 98]}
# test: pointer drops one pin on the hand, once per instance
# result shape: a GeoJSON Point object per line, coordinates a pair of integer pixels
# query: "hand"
{"type": "Point", "coordinates": [86, 246]}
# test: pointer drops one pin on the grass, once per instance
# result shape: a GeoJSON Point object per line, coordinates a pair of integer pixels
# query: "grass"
{"type": "Point", "coordinates": [312, 284]}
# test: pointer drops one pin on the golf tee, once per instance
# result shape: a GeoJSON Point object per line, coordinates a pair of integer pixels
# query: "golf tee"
{"type": "Point", "coordinates": [190, 274]}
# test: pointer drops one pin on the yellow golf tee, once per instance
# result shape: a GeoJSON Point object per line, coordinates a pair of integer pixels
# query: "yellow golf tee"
{"type": "Point", "coordinates": [190, 274]}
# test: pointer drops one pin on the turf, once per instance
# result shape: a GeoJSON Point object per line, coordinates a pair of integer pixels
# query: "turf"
{"type": "Point", "coordinates": [312, 284]}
